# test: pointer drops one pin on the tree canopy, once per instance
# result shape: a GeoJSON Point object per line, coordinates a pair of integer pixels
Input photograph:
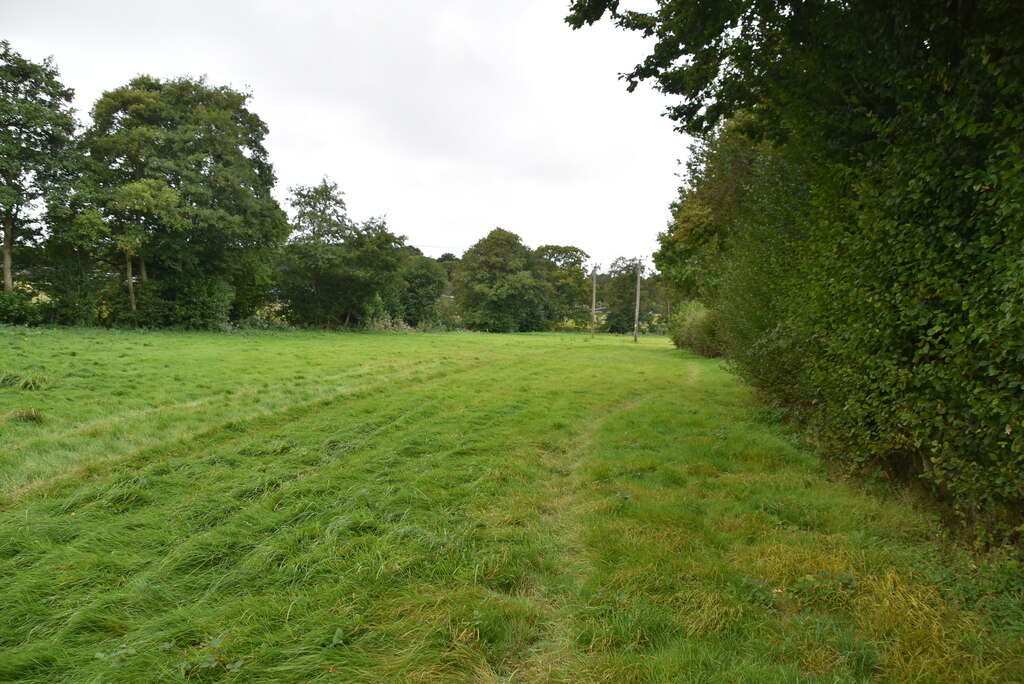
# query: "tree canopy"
{"type": "Point", "coordinates": [334, 272]}
{"type": "Point", "coordinates": [499, 286]}
{"type": "Point", "coordinates": [834, 66]}
{"type": "Point", "coordinates": [161, 213]}
{"type": "Point", "coordinates": [564, 268]}
{"type": "Point", "coordinates": [179, 175]}
{"type": "Point", "coordinates": [37, 127]}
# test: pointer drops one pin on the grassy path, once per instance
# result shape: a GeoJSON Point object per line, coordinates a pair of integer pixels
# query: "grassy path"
{"type": "Point", "coordinates": [447, 508]}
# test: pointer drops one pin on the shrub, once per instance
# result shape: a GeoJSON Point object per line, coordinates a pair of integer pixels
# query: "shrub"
{"type": "Point", "coordinates": [201, 303]}
{"type": "Point", "coordinates": [695, 328]}
{"type": "Point", "coordinates": [17, 308]}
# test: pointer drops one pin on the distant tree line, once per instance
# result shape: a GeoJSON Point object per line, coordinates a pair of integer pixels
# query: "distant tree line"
{"type": "Point", "coordinates": [501, 285]}
{"type": "Point", "coordinates": [159, 213]}
{"type": "Point", "coordinates": [850, 231]}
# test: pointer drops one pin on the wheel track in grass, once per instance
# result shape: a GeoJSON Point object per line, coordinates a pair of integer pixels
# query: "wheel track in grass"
{"type": "Point", "coordinates": [94, 431]}
{"type": "Point", "coordinates": [412, 411]}
{"type": "Point", "coordinates": [437, 370]}
{"type": "Point", "coordinates": [556, 595]}
{"type": "Point", "coordinates": [277, 415]}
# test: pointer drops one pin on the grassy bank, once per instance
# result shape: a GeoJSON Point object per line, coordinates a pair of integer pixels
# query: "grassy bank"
{"type": "Point", "coordinates": [299, 507]}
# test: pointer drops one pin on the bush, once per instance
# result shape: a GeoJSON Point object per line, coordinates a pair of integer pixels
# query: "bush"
{"type": "Point", "coordinates": [197, 303]}
{"type": "Point", "coordinates": [266, 318]}
{"type": "Point", "coordinates": [201, 303]}
{"type": "Point", "coordinates": [17, 308]}
{"type": "Point", "coordinates": [693, 327]}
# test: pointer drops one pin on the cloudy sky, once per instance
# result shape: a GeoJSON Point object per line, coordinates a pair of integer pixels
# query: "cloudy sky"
{"type": "Point", "coordinates": [450, 117]}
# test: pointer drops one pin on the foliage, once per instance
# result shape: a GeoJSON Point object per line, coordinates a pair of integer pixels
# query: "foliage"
{"type": "Point", "coordinates": [17, 308]}
{"type": "Point", "coordinates": [180, 180]}
{"type": "Point", "coordinates": [852, 218]}
{"type": "Point", "coordinates": [161, 215]}
{"type": "Point", "coordinates": [448, 260]}
{"type": "Point", "coordinates": [618, 292]}
{"type": "Point", "coordinates": [201, 303]}
{"type": "Point", "coordinates": [448, 314]}
{"type": "Point", "coordinates": [695, 328]}
{"type": "Point", "coordinates": [925, 367]}
{"type": "Point", "coordinates": [425, 281]}
{"type": "Point", "coordinates": [500, 285]}
{"type": "Point", "coordinates": [333, 272]}
{"type": "Point", "coordinates": [715, 195]}
{"type": "Point", "coordinates": [564, 269]}
{"type": "Point", "coordinates": [37, 128]}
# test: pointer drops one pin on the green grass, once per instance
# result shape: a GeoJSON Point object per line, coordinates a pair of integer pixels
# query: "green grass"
{"type": "Point", "coordinates": [300, 507]}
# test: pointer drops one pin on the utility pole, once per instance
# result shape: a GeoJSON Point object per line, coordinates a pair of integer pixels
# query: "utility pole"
{"type": "Point", "coordinates": [593, 302]}
{"type": "Point", "coordinates": [636, 315]}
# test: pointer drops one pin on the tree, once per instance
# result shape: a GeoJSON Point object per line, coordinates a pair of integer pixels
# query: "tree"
{"type": "Point", "coordinates": [449, 261]}
{"type": "Point", "coordinates": [425, 281]}
{"type": "Point", "coordinates": [332, 271]}
{"type": "Point", "coordinates": [619, 295]}
{"type": "Point", "coordinates": [832, 67]}
{"type": "Point", "coordinates": [179, 174]}
{"type": "Point", "coordinates": [563, 268]}
{"type": "Point", "coordinates": [499, 285]}
{"type": "Point", "coordinates": [37, 129]}
{"type": "Point", "coordinates": [319, 214]}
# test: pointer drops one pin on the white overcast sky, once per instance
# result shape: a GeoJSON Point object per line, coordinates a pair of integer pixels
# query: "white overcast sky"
{"type": "Point", "coordinates": [450, 117]}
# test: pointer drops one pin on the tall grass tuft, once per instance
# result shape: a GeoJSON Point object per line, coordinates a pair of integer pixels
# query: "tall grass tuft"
{"type": "Point", "coordinates": [27, 415]}
{"type": "Point", "coordinates": [23, 382]}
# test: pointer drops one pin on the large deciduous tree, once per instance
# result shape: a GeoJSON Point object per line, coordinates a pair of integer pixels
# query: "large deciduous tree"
{"type": "Point", "coordinates": [500, 287]}
{"type": "Point", "coordinates": [178, 171]}
{"type": "Point", "coordinates": [37, 129]}
{"type": "Point", "coordinates": [564, 269]}
{"type": "Point", "coordinates": [334, 272]}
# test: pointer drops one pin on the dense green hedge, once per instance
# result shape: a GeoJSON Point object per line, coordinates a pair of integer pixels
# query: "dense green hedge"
{"type": "Point", "coordinates": [922, 353]}
{"type": "Point", "coordinates": [882, 302]}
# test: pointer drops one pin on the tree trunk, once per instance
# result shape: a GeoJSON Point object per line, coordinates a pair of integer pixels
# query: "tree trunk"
{"type": "Point", "coordinates": [8, 248]}
{"type": "Point", "coordinates": [131, 278]}
{"type": "Point", "coordinates": [142, 269]}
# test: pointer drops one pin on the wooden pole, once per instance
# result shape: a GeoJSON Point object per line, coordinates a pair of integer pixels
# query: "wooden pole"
{"type": "Point", "coordinates": [130, 279]}
{"type": "Point", "coordinates": [636, 315]}
{"type": "Point", "coordinates": [593, 302]}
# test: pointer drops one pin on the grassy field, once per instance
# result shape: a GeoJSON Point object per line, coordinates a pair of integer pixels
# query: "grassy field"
{"type": "Point", "coordinates": [302, 507]}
